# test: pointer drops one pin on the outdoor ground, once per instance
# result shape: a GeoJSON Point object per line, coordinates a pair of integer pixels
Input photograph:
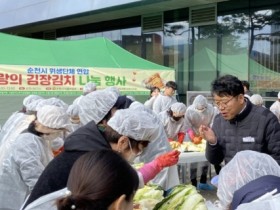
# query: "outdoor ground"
{"type": "Point", "coordinates": [209, 195]}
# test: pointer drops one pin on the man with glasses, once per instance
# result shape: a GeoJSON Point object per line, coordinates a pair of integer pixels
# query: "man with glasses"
{"type": "Point", "coordinates": [240, 125]}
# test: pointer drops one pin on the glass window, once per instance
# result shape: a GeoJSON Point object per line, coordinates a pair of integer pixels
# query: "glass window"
{"type": "Point", "coordinates": [245, 42]}
{"type": "Point", "coordinates": [132, 40]}
{"type": "Point", "coordinates": [74, 37]}
{"type": "Point", "coordinates": [203, 57]}
{"type": "Point", "coordinates": [114, 36]}
{"type": "Point", "coordinates": [232, 45]}
{"type": "Point", "coordinates": [94, 35]}
{"type": "Point", "coordinates": [152, 47]}
{"type": "Point", "coordinates": [176, 52]}
{"type": "Point", "coordinates": [232, 33]}
{"type": "Point", "coordinates": [264, 50]}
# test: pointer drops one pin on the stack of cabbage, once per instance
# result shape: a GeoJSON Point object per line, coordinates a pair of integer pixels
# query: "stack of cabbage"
{"type": "Point", "coordinates": [188, 146]}
{"type": "Point", "coordinates": [182, 197]}
{"type": "Point", "coordinates": [148, 196]}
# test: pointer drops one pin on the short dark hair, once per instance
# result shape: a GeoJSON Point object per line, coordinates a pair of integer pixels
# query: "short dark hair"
{"type": "Point", "coordinates": [246, 84]}
{"type": "Point", "coordinates": [97, 179]}
{"type": "Point", "coordinates": [227, 85]}
{"type": "Point", "coordinates": [171, 84]}
{"type": "Point", "coordinates": [113, 136]}
{"type": "Point", "coordinates": [152, 89]}
{"type": "Point", "coordinates": [123, 102]}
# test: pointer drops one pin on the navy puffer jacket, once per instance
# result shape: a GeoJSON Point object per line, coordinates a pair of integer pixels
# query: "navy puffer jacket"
{"type": "Point", "coordinates": [256, 128]}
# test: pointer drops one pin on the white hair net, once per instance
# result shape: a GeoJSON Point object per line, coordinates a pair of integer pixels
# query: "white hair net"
{"type": "Point", "coordinates": [53, 117]}
{"type": "Point", "coordinates": [52, 101]}
{"type": "Point", "coordinates": [135, 124]}
{"type": "Point", "coordinates": [178, 109]}
{"type": "Point", "coordinates": [89, 87]}
{"type": "Point", "coordinates": [200, 103]}
{"type": "Point", "coordinates": [73, 110]}
{"type": "Point", "coordinates": [33, 106]}
{"type": "Point", "coordinates": [114, 89]}
{"type": "Point", "coordinates": [131, 98]}
{"type": "Point", "coordinates": [29, 99]}
{"type": "Point", "coordinates": [256, 99]}
{"type": "Point", "coordinates": [95, 105]}
{"type": "Point", "coordinates": [194, 117]}
{"type": "Point", "coordinates": [244, 167]}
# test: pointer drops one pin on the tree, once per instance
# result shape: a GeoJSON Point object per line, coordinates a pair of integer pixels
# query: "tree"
{"type": "Point", "coordinates": [231, 26]}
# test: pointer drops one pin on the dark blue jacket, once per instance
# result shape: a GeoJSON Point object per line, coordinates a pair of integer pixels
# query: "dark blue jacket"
{"type": "Point", "coordinates": [255, 128]}
{"type": "Point", "coordinates": [255, 189]}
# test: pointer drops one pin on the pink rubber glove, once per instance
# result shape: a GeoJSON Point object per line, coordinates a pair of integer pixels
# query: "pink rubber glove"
{"type": "Point", "coordinates": [170, 139]}
{"type": "Point", "coordinates": [151, 169]}
{"type": "Point", "coordinates": [191, 133]}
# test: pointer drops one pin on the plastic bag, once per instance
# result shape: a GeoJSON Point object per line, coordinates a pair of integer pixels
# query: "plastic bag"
{"type": "Point", "coordinates": [246, 166]}
{"type": "Point", "coordinates": [213, 206]}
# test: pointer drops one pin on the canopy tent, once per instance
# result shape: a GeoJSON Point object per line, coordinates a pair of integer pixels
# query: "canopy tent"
{"type": "Point", "coordinates": [31, 65]}
{"type": "Point", "coordinates": [241, 65]}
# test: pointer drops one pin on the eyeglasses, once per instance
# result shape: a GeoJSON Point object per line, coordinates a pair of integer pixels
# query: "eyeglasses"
{"type": "Point", "coordinates": [222, 103]}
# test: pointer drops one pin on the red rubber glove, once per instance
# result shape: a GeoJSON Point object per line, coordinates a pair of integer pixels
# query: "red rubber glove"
{"type": "Point", "coordinates": [57, 152]}
{"type": "Point", "coordinates": [167, 159]}
{"type": "Point", "coordinates": [181, 137]}
{"type": "Point", "coordinates": [197, 139]}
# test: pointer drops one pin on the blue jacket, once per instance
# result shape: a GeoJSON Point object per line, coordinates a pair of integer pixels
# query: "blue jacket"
{"type": "Point", "coordinates": [255, 189]}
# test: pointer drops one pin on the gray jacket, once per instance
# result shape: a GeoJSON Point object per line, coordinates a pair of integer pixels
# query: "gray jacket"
{"type": "Point", "coordinates": [256, 128]}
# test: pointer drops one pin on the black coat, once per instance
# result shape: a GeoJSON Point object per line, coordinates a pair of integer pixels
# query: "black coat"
{"type": "Point", "coordinates": [55, 176]}
{"type": "Point", "coordinates": [255, 128]}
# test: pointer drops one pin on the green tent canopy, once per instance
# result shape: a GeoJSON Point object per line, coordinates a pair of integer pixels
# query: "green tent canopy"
{"type": "Point", "coordinates": [239, 64]}
{"type": "Point", "coordinates": [52, 67]}
{"type": "Point", "coordinates": [93, 52]}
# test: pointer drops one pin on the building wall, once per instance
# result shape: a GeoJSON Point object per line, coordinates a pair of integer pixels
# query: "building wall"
{"type": "Point", "coordinates": [240, 24]}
